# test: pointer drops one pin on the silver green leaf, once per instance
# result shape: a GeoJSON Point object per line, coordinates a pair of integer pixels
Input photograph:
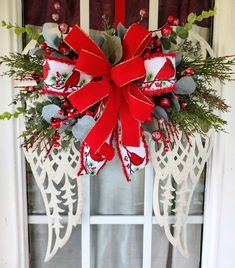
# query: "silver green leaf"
{"type": "Point", "coordinates": [51, 110]}
{"type": "Point", "coordinates": [51, 34]}
{"type": "Point", "coordinates": [159, 112]}
{"type": "Point", "coordinates": [112, 48]}
{"type": "Point", "coordinates": [185, 86]}
{"type": "Point", "coordinates": [82, 127]}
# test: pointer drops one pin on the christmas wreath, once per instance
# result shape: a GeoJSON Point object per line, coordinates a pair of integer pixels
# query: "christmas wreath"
{"type": "Point", "coordinates": [106, 92]}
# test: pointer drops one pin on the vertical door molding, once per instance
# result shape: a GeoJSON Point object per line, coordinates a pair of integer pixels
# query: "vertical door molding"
{"type": "Point", "coordinates": [13, 205]}
{"type": "Point", "coordinates": [219, 219]}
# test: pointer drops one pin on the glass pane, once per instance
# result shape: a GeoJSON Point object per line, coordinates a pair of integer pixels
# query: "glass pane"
{"type": "Point", "coordinates": [35, 202]}
{"type": "Point", "coordinates": [69, 256]}
{"type": "Point", "coordinates": [117, 246]}
{"type": "Point", "coordinates": [112, 194]}
{"type": "Point", "coordinates": [164, 255]}
{"type": "Point", "coordinates": [197, 202]}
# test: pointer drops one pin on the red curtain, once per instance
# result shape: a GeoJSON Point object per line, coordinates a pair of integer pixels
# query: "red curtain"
{"type": "Point", "coordinates": [37, 12]}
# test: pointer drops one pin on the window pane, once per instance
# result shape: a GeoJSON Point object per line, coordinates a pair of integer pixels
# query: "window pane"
{"type": "Point", "coordinates": [164, 255]}
{"type": "Point", "coordinates": [69, 256]}
{"type": "Point", "coordinates": [112, 194]}
{"type": "Point", "coordinates": [117, 246]}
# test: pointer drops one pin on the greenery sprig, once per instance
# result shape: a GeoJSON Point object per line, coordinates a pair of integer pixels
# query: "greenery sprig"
{"type": "Point", "coordinates": [27, 29]}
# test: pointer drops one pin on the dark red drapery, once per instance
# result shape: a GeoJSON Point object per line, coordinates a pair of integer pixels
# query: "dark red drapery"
{"type": "Point", "coordinates": [37, 12]}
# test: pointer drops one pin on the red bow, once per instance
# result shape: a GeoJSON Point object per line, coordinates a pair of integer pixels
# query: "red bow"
{"type": "Point", "coordinates": [124, 100]}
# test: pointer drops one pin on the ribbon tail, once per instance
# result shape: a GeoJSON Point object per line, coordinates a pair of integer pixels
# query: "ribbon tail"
{"type": "Point", "coordinates": [132, 158]}
{"type": "Point", "coordinates": [130, 128]}
{"type": "Point", "coordinates": [105, 125]}
{"type": "Point", "coordinates": [91, 163]}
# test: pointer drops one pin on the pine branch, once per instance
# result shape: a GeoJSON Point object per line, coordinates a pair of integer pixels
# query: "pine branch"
{"type": "Point", "coordinates": [196, 118]}
{"type": "Point", "coordinates": [22, 66]}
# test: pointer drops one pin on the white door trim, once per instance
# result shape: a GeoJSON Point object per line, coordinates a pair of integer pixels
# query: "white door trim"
{"type": "Point", "coordinates": [13, 204]}
{"type": "Point", "coordinates": [219, 219]}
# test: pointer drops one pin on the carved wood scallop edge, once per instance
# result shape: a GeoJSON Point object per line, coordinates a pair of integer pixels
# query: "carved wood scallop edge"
{"type": "Point", "coordinates": [176, 175]}
{"type": "Point", "coordinates": [61, 189]}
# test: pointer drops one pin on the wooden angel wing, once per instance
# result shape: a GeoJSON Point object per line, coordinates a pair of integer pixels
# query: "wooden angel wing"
{"type": "Point", "coordinates": [61, 189]}
{"type": "Point", "coordinates": [176, 175]}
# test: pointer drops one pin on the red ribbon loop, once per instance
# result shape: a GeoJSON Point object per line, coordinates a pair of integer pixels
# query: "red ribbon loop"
{"type": "Point", "coordinates": [128, 71]}
{"type": "Point", "coordinates": [140, 106]}
{"type": "Point", "coordinates": [124, 99]}
{"type": "Point", "coordinates": [92, 64]}
{"type": "Point", "coordinates": [135, 41]}
{"type": "Point", "coordinates": [89, 95]}
{"type": "Point", "coordinates": [78, 40]}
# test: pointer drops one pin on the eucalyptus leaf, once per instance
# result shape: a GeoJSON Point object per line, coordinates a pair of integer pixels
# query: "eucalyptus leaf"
{"type": "Point", "coordinates": [39, 52]}
{"type": "Point", "coordinates": [185, 86]}
{"type": "Point", "coordinates": [166, 43]}
{"type": "Point", "coordinates": [82, 127]}
{"type": "Point", "coordinates": [50, 111]}
{"type": "Point", "coordinates": [159, 112]}
{"type": "Point", "coordinates": [59, 55]}
{"type": "Point", "coordinates": [178, 58]}
{"type": "Point", "coordinates": [112, 48]}
{"type": "Point", "coordinates": [51, 34]}
{"type": "Point", "coordinates": [121, 30]}
{"type": "Point", "coordinates": [99, 40]}
{"type": "Point", "coordinates": [192, 17]}
{"type": "Point", "coordinates": [182, 32]}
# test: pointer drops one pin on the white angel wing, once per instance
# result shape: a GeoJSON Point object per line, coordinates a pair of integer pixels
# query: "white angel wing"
{"type": "Point", "coordinates": [56, 176]}
{"type": "Point", "coordinates": [176, 175]}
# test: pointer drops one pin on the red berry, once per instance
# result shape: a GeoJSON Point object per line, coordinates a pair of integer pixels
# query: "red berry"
{"type": "Point", "coordinates": [55, 16]}
{"type": "Point", "coordinates": [167, 140]}
{"type": "Point", "coordinates": [166, 148]}
{"type": "Point", "coordinates": [152, 41]}
{"type": "Point", "coordinates": [170, 19]}
{"type": "Point", "coordinates": [57, 136]}
{"type": "Point", "coordinates": [70, 115]}
{"type": "Point", "coordinates": [64, 28]}
{"type": "Point", "coordinates": [61, 112]}
{"type": "Point", "coordinates": [158, 42]}
{"type": "Point", "coordinates": [166, 30]}
{"type": "Point", "coordinates": [56, 123]}
{"type": "Point", "coordinates": [56, 144]}
{"type": "Point", "coordinates": [48, 51]}
{"type": "Point", "coordinates": [64, 49]}
{"type": "Point", "coordinates": [183, 105]}
{"type": "Point", "coordinates": [156, 135]}
{"type": "Point", "coordinates": [188, 72]}
{"type": "Point", "coordinates": [176, 97]}
{"type": "Point", "coordinates": [44, 45]}
{"type": "Point", "coordinates": [143, 12]}
{"type": "Point", "coordinates": [65, 123]}
{"type": "Point", "coordinates": [57, 6]}
{"type": "Point", "coordinates": [176, 22]}
{"type": "Point", "coordinates": [165, 102]}
{"type": "Point", "coordinates": [149, 120]}
{"type": "Point", "coordinates": [76, 113]}
{"type": "Point", "coordinates": [65, 104]}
